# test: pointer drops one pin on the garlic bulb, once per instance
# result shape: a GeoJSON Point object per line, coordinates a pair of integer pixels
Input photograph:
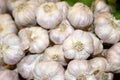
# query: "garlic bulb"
{"type": "Point", "coordinates": [107, 28]}
{"type": "Point", "coordinates": [7, 25]}
{"type": "Point", "coordinates": [113, 57]}
{"type": "Point", "coordinates": [99, 6]}
{"type": "Point", "coordinates": [64, 8]}
{"type": "Point", "coordinates": [60, 33]}
{"type": "Point", "coordinates": [26, 65]}
{"type": "Point", "coordinates": [48, 15]}
{"type": "Point", "coordinates": [79, 70]}
{"type": "Point", "coordinates": [6, 74]}
{"type": "Point", "coordinates": [24, 14]}
{"type": "Point", "coordinates": [35, 39]}
{"type": "Point", "coordinates": [55, 53]}
{"type": "Point", "coordinates": [80, 16]}
{"type": "Point", "coordinates": [79, 45]}
{"type": "Point", "coordinates": [10, 49]}
{"type": "Point", "coordinates": [3, 7]}
{"type": "Point", "coordinates": [98, 47]}
{"type": "Point", "coordinates": [49, 70]}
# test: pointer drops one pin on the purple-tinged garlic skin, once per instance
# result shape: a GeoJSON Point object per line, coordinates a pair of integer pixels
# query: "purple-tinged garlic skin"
{"type": "Point", "coordinates": [3, 7]}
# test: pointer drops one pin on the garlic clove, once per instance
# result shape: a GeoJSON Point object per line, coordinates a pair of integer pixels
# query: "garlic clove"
{"type": "Point", "coordinates": [48, 15]}
{"type": "Point", "coordinates": [61, 32]}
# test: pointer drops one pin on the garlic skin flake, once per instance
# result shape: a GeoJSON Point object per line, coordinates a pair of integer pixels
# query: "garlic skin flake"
{"type": "Point", "coordinates": [55, 53]}
{"type": "Point", "coordinates": [26, 65]}
{"type": "Point", "coordinates": [48, 15]}
{"type": "Point", "coordinates": [48, 70]}
{"type": "Point", "coordinates": [10, 49]}
{"type": "Point", "coordinates": [24, 14]}
{"type": "Point", "coordinates": [107, 28]}
{"type": "Point", "coordinates": [79, 45]}
{"type": "Point", "coordinates": [80, 16]}
{"type": "Point", "coordinates": [34, 39]}
{"type": "Point", "coordinates": [61, 32]}
{"type": "Point", "coordinates": [7, 25]}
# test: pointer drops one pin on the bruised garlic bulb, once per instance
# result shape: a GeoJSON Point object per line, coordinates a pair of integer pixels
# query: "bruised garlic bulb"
{"type": "Point", "coordinates": [98, 47]}
{"type": "Point", "coordinates": [6, 74]}
{"type": "Point", "coordinates": [10, 49]}
{"type": "Point", "coordinates": [24, 14]}
{"type": "Point", "coordinates": [99, 6]}
{"type": "Point", "coordinates": [35, 39]}
{"type": "Point", "coordinates": [49, 70]}
{"type": "Point", "coordinates": [55, 53]}
{"type": "Point", "coordinates": [7, 25]}
{"type": "Point", "coordinates": [48, 15]}
{"type": "Point", "coordinates": [107, 28]}
{"type": "Point", "coordinates": [26, 65]}
{"type": "Point", "coordinates": [60, 33]}
{"type": "Point", "coordinates": [79, 70]}
{"type": "Point", "coordinates": [3, 7]}
{"type": "Point", "coordinates": [64, 8]}
{"type": "Point", "coordinates": [80, 16]}
{"type": "Point", "coordinates": [79, 45]}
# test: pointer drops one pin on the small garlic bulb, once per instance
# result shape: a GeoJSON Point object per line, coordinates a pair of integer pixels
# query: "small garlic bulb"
{"type": "Point", "coordinates": [48, 15]}
{"type": "Point", "coordinates": [7, 25]}
{"type": "Point", "coordinates": [79, 45]}
{"type": "Point", "coordinates": [10, 49]}
{"type": "Point", "coordinates": [6, 74]}
{"type": "Point", "coordinates": [49, 70]}
{"type": "Point", "coordinates": [60, 33]}
{"type": "Point", "coordinates": [64, 8]}
{"type": "Point", "coordinates": [99, 6]}
{"type": "Point", "coordinates": [3, 7]}
{"type": "Point", "coordinates": [107, 28]}
{"type": "Point", "coordinates": [98, 47]}
{"type": "Point", "coordinates": [24, 14]}
{"type": "Point", "coordinates": [55, 53]}
{"type": "Point", "coordinates": [79, 70]}
{"type": "Point", "coordinates": [80, 16]}
{"type": "Point", "coordinates": [35, 39]}
{"type": "Point", "coordinates": [26, 65]}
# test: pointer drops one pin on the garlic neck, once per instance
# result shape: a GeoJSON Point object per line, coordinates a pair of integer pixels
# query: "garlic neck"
{"type": "Point", "coordinates": [44, 78]}
{"type": "Point", "coordinates": [81, 77]}
{"type": "Point", "coordinates": [3, 47]}
{"type": "Point", "coordinates": [55, 57]}
{"type": "Point", "coordinates": [78, 46]}
{"type": "Point", "coordinates": [62, 27]}
{"type": "Point", "coordinates": [47, 8]}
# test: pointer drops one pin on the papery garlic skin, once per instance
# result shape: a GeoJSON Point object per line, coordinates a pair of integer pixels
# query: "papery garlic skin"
{"type": "Point", "coordinates": [61, 32]}
{"type": "Point", "coordinates": [64, 8]}
{"type": "Point", "coordinates": [6, 74]}
{"type": "Point", "coordinates": [7, 25]}
{"type": "Point", "coordinates": [10, 49]}
{"type": "Point", "coordinates": [107, 28]}
{"type": "Point", "coordinates": [48, 15]}
{"type": "Point", "coordinates": [55, 53]}
{"type": "Point", "coordinates": [80, 16]}
{"type": "Point", "coordinates": [48, 70]}
{"type": "Point", "coordinates": [98, 47]}
{"type": "Point", "coordinates": [26, 65]}
{"type": "Point", "coordinates": [79, 45]}
{"type": "Point", "coordinates": [24, 14]}
{"type": "Point", "coordinates": [3, 7]}
{"type": "Point", "coordinates": [34, 39]}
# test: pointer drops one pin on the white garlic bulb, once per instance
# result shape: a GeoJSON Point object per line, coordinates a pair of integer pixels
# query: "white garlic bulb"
{"type": "Point", "coordinates": [24, 14]}
{"type": "Point", "coordinates": [35, 39]}
{"type": "Point", "coordinates": [7, 25]}
{"type": "Point", "coordinates": [3, 7]}
{"type": "Point", "coordinates": [10, 49]}
{"type": "Point", "coordinates": [64, 8]}
{"type": "Point", "coordinates": [26, 65]}
{"type": "Point", "coordinates": [113, 57]}
{"type": "Point", "coordinates": [80, 16]}
{"type": "Point", "coordinates": [99, 6]}
{"type": "Point", "coordinates": [107, 28]}
{"type": "Point", "coordinates": [79, 45]}
{"type": "Point", "coordinates": [54, 53]}
{"type": "Point", "coordinates": [79, 70]}
{"type": "Point", "coordinates": [98, 47]}
{"type": "Point", "coordinates": [48, 15]}
{"type": "Point", "coordinates": [6, 74]}
{"type": "Point", "coordinates": [61, 32]}
{"type": "Point", "coordinates": [49, 70]}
